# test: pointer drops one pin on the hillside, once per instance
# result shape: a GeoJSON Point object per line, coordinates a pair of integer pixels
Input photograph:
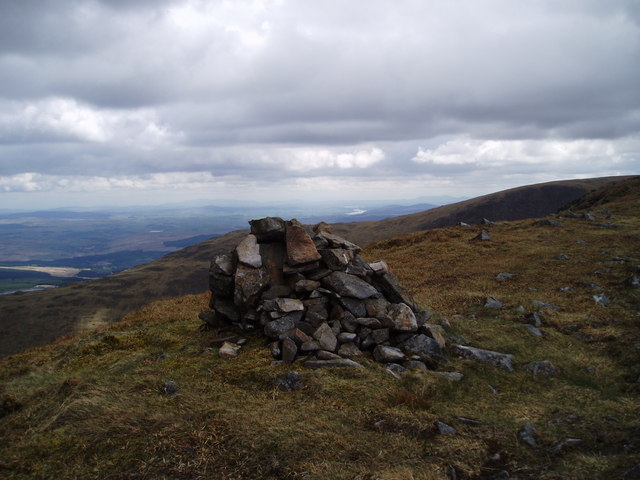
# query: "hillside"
{"type": "Point", "coordinates": [95, 406]}
{"type": "Point", "coordinates": [38, 318]}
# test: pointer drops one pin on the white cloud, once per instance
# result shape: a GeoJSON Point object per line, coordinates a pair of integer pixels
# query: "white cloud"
{"type": "Point", "coordinates": [502, 153]}
{"type": "Point", "coordinates": [306, 159]}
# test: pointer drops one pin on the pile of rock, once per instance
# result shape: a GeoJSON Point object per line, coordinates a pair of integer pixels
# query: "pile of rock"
{"type": "Point", "coordinates": [313, 295]}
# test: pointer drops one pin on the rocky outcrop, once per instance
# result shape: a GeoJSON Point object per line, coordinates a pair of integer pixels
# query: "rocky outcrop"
{"type": "Point", "coordinates": [311, 294]}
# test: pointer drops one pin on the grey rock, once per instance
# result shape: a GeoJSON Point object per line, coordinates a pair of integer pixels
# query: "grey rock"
{"type": "Point", "coordinates": [547, 222]}
{"type": "Point", "coordinates": [350, 286]}
{"type": "Point", "coordinates": [544, 305]}
{"type": "Point", "coordinates": [170, 388]}
{"type": "Point", "coordinates": [358, 267]}
{"type": "Point", "coordinates": [276, 351]}
{"type": "Point", "coordinates": [482, 236]}
{"type": "Point", "coordinates": [379, 267]}
{"type": "Point", "coordinates": [349, 350]}
{"type": "Point", "coordinates": [369, 322]}
{"type": "Point", "coordinates": [422, 317]}
{"type": "Point", "coordinates": [415, 365]}
{"type": "Point", "coordinates": [380, 335]}
{"type": "Point", "coordinates": [534, 319]}
{"type": "Point", "coordinates": [229, 350]}
{"type": "Point", "coordinates": [533, 330]}
{"type": "Point", "coordinates": [565, 289]}
{"type": "Point", "coordinates": [562, 256]}
{"type": "Point", "coordinates": [290, 382]}
{"type": "Point", "coordinates": [325, 337]}
{"type": "Point", "coordinates": [601, 299]}
{"type": "Point", "coordinates": [275, 291]}
{"type": "Point", "coordinates": [337, 258]}
{"type": "Point", "coordinates": [393, 291]}
{"type": "Point", "coordinates": [527, 435]}
{"type": "Point", "coordinates": [453, 376]}
{"type": "Point", "coordinates": [342, 362]}
{"type": "Point", "coordinates": [492, 389]}
{"type": "Point", "coordinates": [250, 283]}
{"type": "Point", "coordinates": [400, 317]}
{"type": "Point", "coordinates": [497, 359]}
{"type": "Point", "coordinates": [491, 302]}
{"type": "Point", "coordinates": [542, 368]}
{"type": "Point", "coordinates": [269, 229]}
{"type": "Point", "coordinates": [520, 309]}
{"type": "Point", "coordinates": [589, 216]}
{"type": "Point", "coordinates": [288, 305]}
{"type": "Point", "coordinates": [298, 336]}
{"type": "Point", "coordinates": [564, 443]}
{"type": "Point", "coordinates": [424, 347]}
{"type": "Point", "coordinates": [346, 337]}
{"type": "Point", "coordinates": [248, 252]}
{"type": "Point", "coordinates": [356, 307]}
{"type": "Point", "coordinates": [324, 355]}
{"type": "Point", "coordinates": [505, 276]}
{"type": "Point", "coordinates": [289, 350]}
{"type": "Point", "coordinates": [310, 346]}
{"type": "Point", "coordinates": [633, 281]}
{"type": "Point", "coordinates": [306, 285]}
{"type": "Point", "coordinates": [385, 354]}
{"type": "Point", "coordinates": [444, 429]}
{"type": "Point", "coordinates": [281, 326]}
{"type": "Point", "coordinates": [348, 323]}
{"type": "Point", "coordinates": [338, 242]}
{"type": "Point", "coordinates": [377, 307]}
{"type": "Point", "coordinates": [223, 264]}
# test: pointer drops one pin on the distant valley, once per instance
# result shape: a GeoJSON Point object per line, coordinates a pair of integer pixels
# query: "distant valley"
{"type": "Point", "coordinates": [96, 243]}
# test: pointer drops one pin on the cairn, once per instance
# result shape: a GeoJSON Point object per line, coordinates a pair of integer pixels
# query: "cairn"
{"type": "Point", "coordinates": [313, 295]}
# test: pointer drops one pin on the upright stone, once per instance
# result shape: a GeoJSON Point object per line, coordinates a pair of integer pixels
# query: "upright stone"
{"type": "Point", "coordinates": [300, 247]}
{"type": "Point", "coordinates": [249, 252]}
{"type": "Point", "coordinates": [400, 317]}
{"type": "Point", "coordinates": [390, 286]}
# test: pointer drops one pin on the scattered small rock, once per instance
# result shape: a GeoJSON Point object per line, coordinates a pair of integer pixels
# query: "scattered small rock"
{"type": "Point", "coordinates": [533, 330]}
{"type": "Point", "coordinates": [601, 299]}
{"type": "Point", "coordinates": [633, 281]}
{"type": "Point", "coordinates": [544, 367]}
{"type": "Point", "coordinates": [290, 382]}
{"type": "Point", "coordinates": [445, 429]}
{"type": "Point", "coordinates": [564, 443]}
{"type": "Point", "coordinates": [547, 222]}
{"type": "Point", "coordinates": [527, 435]}
{"type": "Point", "coordinates": [497, 359]}
{"type": "Point", "coordinates": [229, 350]}
{"type": "Point", "coordinates": [170, 388]}
{"type": "Point", "coordinates": [492, 302]}
{"type": "Point", "coordinates": [482, 236]}
{"type": "Point", "coordinates": [544, 305]}
{"type": "Point", "coordinates": [534, 319]}
{"type": "Point", "coordinates": [562, 256]}
{"type": "Point", "coordinates": [453, 376]}
{"type": "Point", "coordinates": [493, 389]}
{"type": "Point", "coordinates": [505, 276]}
{"type": "Point", "coordinates": [565, 289]}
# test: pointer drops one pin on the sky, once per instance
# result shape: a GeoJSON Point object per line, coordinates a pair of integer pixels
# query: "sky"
{"type": "Point", "coordinates": [116, 102]}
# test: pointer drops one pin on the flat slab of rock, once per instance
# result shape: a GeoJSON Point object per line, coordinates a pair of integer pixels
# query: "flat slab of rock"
{"type": "Point", "coordinates": [342, 362]}
{"type": "Point", "coordinates": [350, 286]}
{"type": "Point", "coordinates": [248, 252]}
{"type": "Point", "coordinates": [287, 305]}
{"type": "Point", "coordinates": [269, 229]}
{"type": "Point", "coordinates": [390, 286]}
{"type": "Point", "coordinates": [300, 247]}
{"type": "Point", "coordinates": [497, 359]}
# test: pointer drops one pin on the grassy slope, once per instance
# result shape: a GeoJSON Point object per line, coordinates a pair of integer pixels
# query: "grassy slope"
{"type": "Point", "coordinates": [92, 406]}
{"type": "Point", "coordinates": [39, 318]}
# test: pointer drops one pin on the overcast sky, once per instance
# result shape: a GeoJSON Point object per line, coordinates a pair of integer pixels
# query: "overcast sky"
{"type": "Point", "coordinates": [150, 101]}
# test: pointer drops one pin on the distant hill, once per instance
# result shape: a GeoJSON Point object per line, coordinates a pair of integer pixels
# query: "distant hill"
{"type": "Point", "coordinates": [37, 318]}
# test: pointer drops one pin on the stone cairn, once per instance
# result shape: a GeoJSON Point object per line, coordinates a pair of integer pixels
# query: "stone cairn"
{"type": "Point", "coordinates": [314, 296]}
